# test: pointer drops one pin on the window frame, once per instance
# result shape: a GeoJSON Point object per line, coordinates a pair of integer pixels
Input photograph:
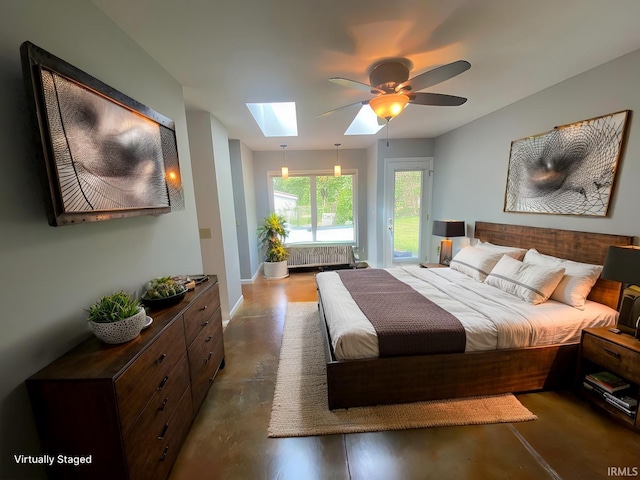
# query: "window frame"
{"type": "Point", "coordinates": [314, 211]}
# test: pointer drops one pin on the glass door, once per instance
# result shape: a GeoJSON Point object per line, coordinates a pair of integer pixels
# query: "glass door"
{"type": "Point", "coordinates": [405, 212]}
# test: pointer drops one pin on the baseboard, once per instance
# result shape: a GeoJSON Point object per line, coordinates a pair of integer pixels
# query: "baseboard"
{"type": "Point", "coordinates": [236, 306]}
{"type": "Point", "coordinates": [248, 281]}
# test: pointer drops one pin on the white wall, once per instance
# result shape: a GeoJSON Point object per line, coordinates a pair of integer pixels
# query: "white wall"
{"type": "Point", "coordinates": [50, 274]}
{"type": "Point", "coordinates": [372, 199]}
{"type": "Point", "coordinates": [313, 160]}
{"type": "Point", "coordinates": [211, 163]}
{"type": "Point", "coordinates": [471, 162]}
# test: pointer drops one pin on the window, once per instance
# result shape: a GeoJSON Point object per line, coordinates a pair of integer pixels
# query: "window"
{"type": "Point", "coordinates": [317, 207]}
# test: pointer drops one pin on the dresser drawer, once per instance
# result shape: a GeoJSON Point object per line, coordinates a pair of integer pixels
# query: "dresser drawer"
{"type": "Point", "coordinates": [205, 365]}
{"type": "Point", "coordinates": [167, 445]}
{"type": "Point", "coordinates": [611, 356]}
{"type": "Point", "coordinates": [138, 443]}
{"type": "Point", "coordinates": [199, 313]}
{"type": "Point", "coordinates": [147, 374]}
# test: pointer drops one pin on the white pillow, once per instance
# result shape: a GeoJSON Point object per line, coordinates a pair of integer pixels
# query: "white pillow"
{"type": "Point", "coordinates": [579, 278]}
{"type": "Point", "coordinates": [475, 262]}
{"type": "Point", "coordinates": [513, 252]}
{"type": "Point", "coordinates": [532, 283]}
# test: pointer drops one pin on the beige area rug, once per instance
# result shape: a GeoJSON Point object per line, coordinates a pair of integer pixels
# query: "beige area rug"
{"type": "Point", "coordinates": [300, 399]}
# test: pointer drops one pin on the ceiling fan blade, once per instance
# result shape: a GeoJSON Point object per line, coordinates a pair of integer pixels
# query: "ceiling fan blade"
{"type": "Point", "coordinates": [435, 76]}
{"type": "Point", "coordinates": [363, 87]}
{"type": "Point", "coordinates": [362, 102]}
{"type": "Point", "coordinates": [437, 99]}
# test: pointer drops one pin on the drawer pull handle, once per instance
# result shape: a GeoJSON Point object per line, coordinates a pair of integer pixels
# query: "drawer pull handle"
{"type": "Point", "coordinates": [203, 308]}
{"type": "Point", "coordinates": [612, 353]}
{"type": "Point", "coordinates": [208, 338]}
{"type": "Point", "coordinates": [163, 382]}
{"type": "Point", "coordinates": [205, 323]}
{"type": "Point", "coordinates": [164, 404]}
{"type": "Point", "coordinates": [164, 431]}
{"type": "Point", "coordinates": [164, 454]}
{"type": "Point", "coordinates": [208, 357]}
{"type": "Point", "coordinates": [161, 358]}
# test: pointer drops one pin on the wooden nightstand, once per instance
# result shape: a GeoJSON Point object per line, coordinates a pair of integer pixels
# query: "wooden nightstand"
{"type": "Point", "coordinates": [619, 354]}
{"type": "Point", "coordinates": [433, 265]}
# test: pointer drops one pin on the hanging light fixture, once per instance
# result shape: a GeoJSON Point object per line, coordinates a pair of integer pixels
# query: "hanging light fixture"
{"type": "Point", "coordinates": [285, 169]}
{"type": "Point", "coordinates": [337, 169]}
{"type": "Point", "coordinates": [389, 105]}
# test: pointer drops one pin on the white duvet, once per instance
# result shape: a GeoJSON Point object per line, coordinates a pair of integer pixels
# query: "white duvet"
{"type": "Point", "coordinates": [492, 319]}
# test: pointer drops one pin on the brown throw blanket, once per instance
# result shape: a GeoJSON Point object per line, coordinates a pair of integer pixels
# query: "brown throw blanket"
{"type": "Point", "coordinates": [406, 322]}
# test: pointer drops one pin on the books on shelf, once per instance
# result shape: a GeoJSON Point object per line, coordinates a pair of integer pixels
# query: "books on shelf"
{"type": "Point", "coordinates": [625, 400]}
{"type": "Point", "coordinates": [607, 381]}
{"type": "Point", "coordinates": [620, 407]}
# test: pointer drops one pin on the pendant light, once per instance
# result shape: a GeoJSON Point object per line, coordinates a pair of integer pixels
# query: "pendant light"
{"type": "Point", "coordinates": [337, 169]}
{"type": "Point", "coordinates": [285, 169]}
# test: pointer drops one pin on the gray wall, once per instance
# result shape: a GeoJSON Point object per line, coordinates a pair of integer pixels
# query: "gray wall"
{"type": "Point", "coordinates": [313, 160]}
{"type": "Point", "coordinates": [471, 162]}
{"type": "Point", "coordinates": [50, 275]}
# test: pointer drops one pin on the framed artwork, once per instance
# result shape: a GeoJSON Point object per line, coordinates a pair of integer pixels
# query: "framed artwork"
{"type": "Point", "coordinates": [569, 170]}
{"type": "Point", "coordinates": [103, 154]}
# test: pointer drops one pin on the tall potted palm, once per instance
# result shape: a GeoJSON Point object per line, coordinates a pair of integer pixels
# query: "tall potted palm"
{"type": "Point", "coordinates": [271, 234]}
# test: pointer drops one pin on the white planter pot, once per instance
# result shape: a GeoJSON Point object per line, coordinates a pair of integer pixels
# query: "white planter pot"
{"type": "Point", "coordinates": [121, 331]}
{"type": "Point", "coordinates": [276, 270]}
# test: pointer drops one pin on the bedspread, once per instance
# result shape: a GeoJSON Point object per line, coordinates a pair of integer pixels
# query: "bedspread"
{"type": "Point", "coordinates": [492, 319]}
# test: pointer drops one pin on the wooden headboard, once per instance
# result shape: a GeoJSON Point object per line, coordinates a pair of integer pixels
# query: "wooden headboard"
{"type": "Point", "coordinates": [577, 246]}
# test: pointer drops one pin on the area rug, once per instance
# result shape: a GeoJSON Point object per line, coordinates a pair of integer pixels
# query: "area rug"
{"type": "Point", "coordinates": [300, 399]}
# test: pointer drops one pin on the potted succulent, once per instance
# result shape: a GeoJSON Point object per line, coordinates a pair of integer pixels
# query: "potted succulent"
{"type": "Point", "coordinates": [162, 292]}
{"type": "Point", "coordinates": [271, 234]}
{"type": "Point", "coordinates": [117, 318]}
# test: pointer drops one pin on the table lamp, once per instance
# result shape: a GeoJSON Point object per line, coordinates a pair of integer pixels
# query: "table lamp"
{"type": "Point", "coordinates": [447, 229]}
{"type": "Point", "coordinates": [622, 264]}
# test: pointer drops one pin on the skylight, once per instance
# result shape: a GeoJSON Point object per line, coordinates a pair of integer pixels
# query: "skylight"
{"type": "Point", "coordinates": [275, 119]}
{"type": "Point", "coordinates": [365, 123]}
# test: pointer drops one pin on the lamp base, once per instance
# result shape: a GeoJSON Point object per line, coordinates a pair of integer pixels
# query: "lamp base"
{"type": "Point", "coordinates": [446, 247]}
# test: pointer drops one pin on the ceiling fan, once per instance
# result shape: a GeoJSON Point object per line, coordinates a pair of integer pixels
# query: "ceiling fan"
{"type": "Point", "coordinates": [389, 81]}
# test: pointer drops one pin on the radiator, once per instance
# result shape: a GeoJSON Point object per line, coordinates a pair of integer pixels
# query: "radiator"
{"type": "Point", "coordinates": [320, 256]}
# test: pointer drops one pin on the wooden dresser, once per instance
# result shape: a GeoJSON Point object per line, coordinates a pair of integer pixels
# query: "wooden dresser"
{"type": "Point", "coordinates": [124, 410]}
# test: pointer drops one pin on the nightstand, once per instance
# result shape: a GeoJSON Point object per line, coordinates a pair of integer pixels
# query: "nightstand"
{"type": "Point", "coordinates": [619, 354]}
{"type": "Point", "coordinates": [433, 265]}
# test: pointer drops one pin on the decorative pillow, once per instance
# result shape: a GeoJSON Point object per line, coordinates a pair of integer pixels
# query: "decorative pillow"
{"type": "Point", "coordinates": [513, 252]}
{"type": "Point", "coordinates": [532, 283]}
{"type": "Point", "coordinates": [579, 278]}
{"type": "Point", "coordinates": [475, 262]}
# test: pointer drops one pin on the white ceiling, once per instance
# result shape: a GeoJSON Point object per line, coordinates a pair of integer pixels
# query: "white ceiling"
{"type": "Point", "coordinates": [229, 53]}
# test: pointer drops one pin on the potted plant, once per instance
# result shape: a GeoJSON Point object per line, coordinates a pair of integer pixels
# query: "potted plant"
{"type": "Point", "coordinates": [117, 318]}
{"type": "Point", "coordinates": [271, 234]}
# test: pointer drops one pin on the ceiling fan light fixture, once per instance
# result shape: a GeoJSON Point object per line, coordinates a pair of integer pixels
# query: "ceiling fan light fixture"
{"type": "Point", "coordinates": [389, 105]}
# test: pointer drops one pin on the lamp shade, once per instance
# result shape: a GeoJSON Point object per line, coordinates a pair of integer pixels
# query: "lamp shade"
{"type": "Point", "coordinates": [389, 105]}
{"type": "Point", "coordinates": [448, 228]}
{"type": "Point", "coordinates": [622, 264]}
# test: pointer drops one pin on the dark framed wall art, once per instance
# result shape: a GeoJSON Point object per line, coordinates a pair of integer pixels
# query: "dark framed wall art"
{"type": "Point", "coordinates": [103, 154]}
{"type": "Point", "coordinates": [569, 170]}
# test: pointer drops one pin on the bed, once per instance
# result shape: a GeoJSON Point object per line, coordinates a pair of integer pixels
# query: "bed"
{"type": "Point", "coordinates": [545, 364]}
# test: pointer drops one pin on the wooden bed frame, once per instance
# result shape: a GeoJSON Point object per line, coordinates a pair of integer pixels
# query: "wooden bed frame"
{"type": "Point", "coordinates": [376, 381]}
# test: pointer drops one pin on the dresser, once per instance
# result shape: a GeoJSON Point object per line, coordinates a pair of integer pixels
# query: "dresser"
{"type": "Point", "coordinates": [122, 411]}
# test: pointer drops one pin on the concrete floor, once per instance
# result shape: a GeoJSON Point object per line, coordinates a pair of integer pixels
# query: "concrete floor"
{"type": "Point", "coordinates": [228, 439]}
